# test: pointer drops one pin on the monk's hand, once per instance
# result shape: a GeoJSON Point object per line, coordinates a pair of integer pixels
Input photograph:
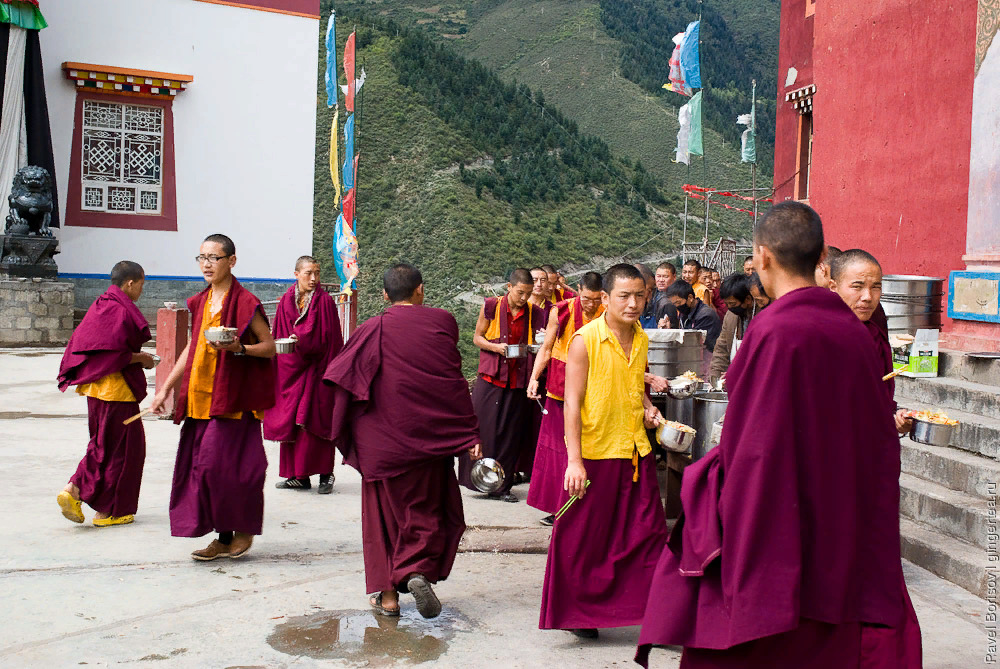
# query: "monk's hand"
{"type": "Point", "coordinates": [658, 384]}
{"type": "Point", "coordinates": [532, 390]}
{"type": "Point", "coordinates": [158, 402]}
{"type": "Point", "coordinates": [664, 323]}
{"type": "Point", "coordinates": [144, 359]}
{"type": "Point", "coordinates": [233, 347]}
{"type": "Point", "coordinates": [903, 422]}
{"type": "Point", "coordinates": [575, 481]}
{"type": "Point", "coordinates": [652, 417]}
{"type": "Point", "coordinates": [476, 452]}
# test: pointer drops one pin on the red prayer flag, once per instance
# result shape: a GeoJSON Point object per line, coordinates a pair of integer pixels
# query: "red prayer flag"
{"type": "Point", "coordinates": [349, 207]}
{"type": "Point", "coordinates": [349, 71]}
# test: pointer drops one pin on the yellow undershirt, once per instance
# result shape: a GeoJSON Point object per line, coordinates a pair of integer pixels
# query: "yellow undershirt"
{"type": "Point", "coordinates": [206, 358]}
{"type": "Point", "coordinates": [111, 388]}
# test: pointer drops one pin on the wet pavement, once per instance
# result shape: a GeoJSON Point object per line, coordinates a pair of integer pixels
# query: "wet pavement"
{"type": "Point", "coordinates": [75, 595]}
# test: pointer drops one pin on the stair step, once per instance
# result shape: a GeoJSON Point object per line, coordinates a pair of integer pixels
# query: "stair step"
{"type": "Point", "coordinates": [975, 434]}
{"type": "Point", "coordinates": [952, 468]}
{"type": "Point", "coordinates": [951, 394]}
{"type": "Point", "coordinates": [956, 513]}
{"type": "Point", "coordinates": [958, 365]}
{"type": "Point", "coordinates": [957, 561]}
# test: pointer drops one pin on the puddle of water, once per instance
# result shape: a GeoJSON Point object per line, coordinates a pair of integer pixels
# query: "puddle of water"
{"type": "Point", "coordinates": [29, 355]}
{"type": "Point", "coordinates": [362, 637]}
{"type": "Point", "coordinates": [14, 415]}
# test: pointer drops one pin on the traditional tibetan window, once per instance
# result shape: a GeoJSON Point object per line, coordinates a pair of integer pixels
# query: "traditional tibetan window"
{"type": "Point", "coordinates": [810, 8]}
{"type": "Point", "coordinates": [802, 101]}
{"type": "Point", "coordinates": [122, 158]}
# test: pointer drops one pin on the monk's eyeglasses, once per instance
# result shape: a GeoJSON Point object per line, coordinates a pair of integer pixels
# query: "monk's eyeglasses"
{"type": "Point", "coordinates": [211, 260]}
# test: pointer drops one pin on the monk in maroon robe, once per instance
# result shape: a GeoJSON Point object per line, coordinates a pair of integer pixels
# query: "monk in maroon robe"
{"type": "Point", "coordinates": [103, 360]}
{"type": "Point", "coordinates": [303, 412]}
{"type": "Point", "coordinates": [402, 413]}
{"type": "Point", "coordinates": [539, 297]}
{"type": "Point", "coordinates": [506, 415]}
{"type": "Point", "coordinates": [774, 557]}
{"type": "Point", "coordinates": [222, 391]}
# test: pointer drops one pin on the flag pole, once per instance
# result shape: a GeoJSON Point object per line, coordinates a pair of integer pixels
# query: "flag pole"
{"type": "Point", "coordinates": [684, 241]}
{"type": "Point", "coordinates": [753, 131]}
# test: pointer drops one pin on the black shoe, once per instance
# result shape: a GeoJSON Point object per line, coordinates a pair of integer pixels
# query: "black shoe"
{"type": "Point", "coordinates": [325, 484]}
{"type": "Point", "coordinates": [585, 633]}
{"type": "Point", "coordinates": [510, 497]}
{"type": "Point", "coordinates": [428, 605]}
{"type": "Point", "coordinates": [518, 478]}
{"type": "Point", "coordinates": [293, 484]}
{"type": "Point", "coordinates": [548, 521]}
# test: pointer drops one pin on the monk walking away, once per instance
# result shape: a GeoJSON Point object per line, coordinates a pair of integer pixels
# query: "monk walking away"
{"type": "Point", "coordinates": [605, 547]}
{"type": "Point", "coordinates": [505, 413]}
{"type": "Point", "coordinates": [546, 492]}
{"type": "Point", "coordinates": [788, 548]}
{"type": "Point", "coordinates": [222, 390]}
{"type": "Point", "coordinates": [302, 417]}
{"type": "Point", "coordinates": [104, 361]}
{"type": "Point", "coordinates": [402, 412]}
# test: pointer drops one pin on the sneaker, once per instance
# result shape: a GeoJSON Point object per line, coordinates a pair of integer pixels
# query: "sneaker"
{"type": "Point", "coordinates": [326, 484]}
{"type": "Point", "coordinates": [548, 521]}
{"type": "Point", "coordinates": [510, 497]}
{"type": "Point", "coordinates": [585, 633]}
{"type": "Point", "coordinates": [293, 484]}
{"type": "Point", "coordinates": [213, 551]}
{"type": "Point", "coordinates": [428, 605]}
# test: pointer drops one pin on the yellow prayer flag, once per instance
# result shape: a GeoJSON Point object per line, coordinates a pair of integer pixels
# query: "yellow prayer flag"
{"type": "Point", "coordinates": [334, 159]}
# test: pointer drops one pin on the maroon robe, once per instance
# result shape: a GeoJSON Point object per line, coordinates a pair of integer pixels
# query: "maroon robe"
{"type": "Point", "coordinates": [110, 474]}
{"type": "Point", "coordinates": [768, 538]}
{"type": "Point", "coordinates": [401, 414]}
{"type": "Point", "coordinates": [302, 417]}
{"type": "Point", "coordinates": [220, 467]}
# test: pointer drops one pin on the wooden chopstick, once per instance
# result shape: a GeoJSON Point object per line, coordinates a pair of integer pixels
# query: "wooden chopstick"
{"type": "Point", "coordinates": [895, 373]}
{"type": "Point", "coordinates": [136, 417]}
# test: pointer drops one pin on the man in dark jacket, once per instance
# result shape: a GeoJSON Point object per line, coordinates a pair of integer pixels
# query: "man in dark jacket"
{"type": "Point", "coordinates": [694, 314]}
{"type": "Point", "coordinates": [735, 293]}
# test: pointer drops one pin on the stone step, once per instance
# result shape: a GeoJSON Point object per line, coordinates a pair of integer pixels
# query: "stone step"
{"type": "Point", "coordinates": [957, 561]}
{"type": "Point", "coordinates": [955, 513]}
{"type": "Point", "coordinates": [952, 468]}
{"type": "Point", "coordinates": [974, 434]}
{"type": "Point", "coordinates": [959, 365]}
{"type": "Point", "coordinates": [951, 394]}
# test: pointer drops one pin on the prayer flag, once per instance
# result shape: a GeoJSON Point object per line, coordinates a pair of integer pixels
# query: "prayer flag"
{"type": "Point", "coordinates": [349, 205]}
{"type": "Point", "coordinates": [676, 76]}
{"type": "Point", "coordinates": [349, 153]}
{"type": "Point", "coordinates": [349, 71]}
{"type": "Point", "coordinates": [695, 145]}
{"type": "Point", "coordinates": [690, 63]}
{"type": "Point", "coordinates": [334, 159]}
{"type": "Point", "coordinates": [345, 253]}
{"type": "Point", "coordinates": [358, 83]}
{"type": "Point", "coordinates": [684, 135]}
{"type": "Point", "coordinates": [331, 60]}
{"type": "Point", "coordinates": [748, 142]}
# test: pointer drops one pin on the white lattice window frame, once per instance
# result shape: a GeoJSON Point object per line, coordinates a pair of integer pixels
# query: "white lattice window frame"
{"type": "Point", "coordinates": [133, 182]}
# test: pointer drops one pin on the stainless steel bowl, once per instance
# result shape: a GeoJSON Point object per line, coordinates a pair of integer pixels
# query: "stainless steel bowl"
{"type": "Point", "coordinates": [156, 359]}
{"type": "Point", "coordinates": [516, 351]}
{"type": "Point", "coordinates": [673, 439]}
{"type": "Point", "coordinates": [286, 345]}
{"type": "Point", "coordinates": [932, 434]}
{"type": "Point", "coordinates": [681, 389]}
{"type": "Point", "coordinates": [534, 348]}
{"type": "Point", "coordinates": [170, 305]}
{"type": "Point", "coordinates": [222, 336]}
{"type": "Point", "coordinates": [540, 337]}
{"type": "Point", "coordinates": [487, 475]}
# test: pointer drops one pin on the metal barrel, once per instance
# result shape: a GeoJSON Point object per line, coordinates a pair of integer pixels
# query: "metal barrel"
{"type": "Point", "coordinates": [708, 408]}
{"type": "Point", "coordinates": [912, 302]}
{"type": "Point", "coordinates": [673, 352]}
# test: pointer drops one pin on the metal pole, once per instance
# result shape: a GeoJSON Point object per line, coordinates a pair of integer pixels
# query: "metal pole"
{"type": "Point", "coordinates": [686, 198]}
{"type": "Point", "coordinates": [708, 200]}
{"type": "Point", "coordinates": [753, 179]}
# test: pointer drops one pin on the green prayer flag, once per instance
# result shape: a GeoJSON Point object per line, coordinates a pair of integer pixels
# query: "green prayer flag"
{"type": "Point", "coordinates": [696, 146]}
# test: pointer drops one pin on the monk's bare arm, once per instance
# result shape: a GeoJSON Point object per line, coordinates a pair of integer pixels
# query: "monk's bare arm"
{"type": "Point", "coordinates": [480, 340]}
{"type": "Point", "coordinates": [577, 366]}
{"type": "Point", "coordinates": [545, 354]}
{"type": "Point", "coordinates": [264, 348]}
{"type": "Point", "coordinates": [172, 380]}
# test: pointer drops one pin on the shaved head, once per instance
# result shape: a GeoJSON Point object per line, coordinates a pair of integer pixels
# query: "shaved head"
{"type": "Point", "coordinates": [793, 233]}
{"type": "Point", "coordinates": [520, 276]}
{"type": "Point", "coordinates": [851, 257]}
{"type": "Point", "coordinates": [857, 277]}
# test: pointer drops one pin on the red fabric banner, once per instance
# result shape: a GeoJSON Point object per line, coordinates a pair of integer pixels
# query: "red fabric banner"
{"type": "Point", "coordinates": [349, 71]}
{"type": "Point", "coordinates": [349, 208]}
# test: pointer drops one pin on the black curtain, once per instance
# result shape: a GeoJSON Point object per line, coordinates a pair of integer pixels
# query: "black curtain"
{"type": "Point", "coordinates": [36, 109]}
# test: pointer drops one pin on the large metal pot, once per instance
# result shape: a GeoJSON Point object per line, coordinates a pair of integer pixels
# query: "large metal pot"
{"type": "Point", "coordinates": [911, 285]}
{"type": "Point", "coordinates": [673, 352]}
{"type": "Point", "coordinates": [708, 408]}
{"type": "Point", "coordinates": [912, 303]}
{"type": "Point", "coordinates": [680, 410]}
{"type": "Point", "coordinates": [487, 475]}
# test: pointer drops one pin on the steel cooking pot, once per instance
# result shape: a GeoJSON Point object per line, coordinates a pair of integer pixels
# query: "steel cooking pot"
{"type": "Point", "coordinates": [487, 475]}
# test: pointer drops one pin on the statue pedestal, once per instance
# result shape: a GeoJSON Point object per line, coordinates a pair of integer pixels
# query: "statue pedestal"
{"type": "Point", "coordinates": [35, 312]}
{"type": "Point", "coordinates": [28, 256]}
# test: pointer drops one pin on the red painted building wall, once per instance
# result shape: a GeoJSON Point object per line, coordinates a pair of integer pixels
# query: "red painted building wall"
{"type": "Point", "coordinates": [795, 50]}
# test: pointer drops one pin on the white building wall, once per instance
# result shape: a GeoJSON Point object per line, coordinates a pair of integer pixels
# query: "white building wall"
{"type": "Point", "coordinates": [244, 129]}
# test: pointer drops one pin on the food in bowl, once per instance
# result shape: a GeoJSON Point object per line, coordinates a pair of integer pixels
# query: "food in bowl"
{"type": "Point", "coordinates": [220, 335]}
{"type": "Point", "coordinates": [688, 377]}
{"type": "Point", "coordinates": [679, 426]}
{"type": "Point", "coordinates": [931, 416]}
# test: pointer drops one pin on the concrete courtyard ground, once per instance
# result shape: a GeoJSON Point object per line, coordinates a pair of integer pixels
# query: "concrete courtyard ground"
{"type": "Point", "coordinates": [74, 595]}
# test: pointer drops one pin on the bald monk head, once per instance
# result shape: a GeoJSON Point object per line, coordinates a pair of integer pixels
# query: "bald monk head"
{"type": "Point", "coordinates": [787, 245]}
{"type": "Point", "coordinates": [130, 277]}
{"type": "Point", "coordinates": [519, 287]}
{"type": "Point", "coordinates": [553, 279]}
{"type": "Point", "coordinates": [856, 276]}
{"type": "Point", "coordinates": [823, 267]}
{"type": "Point", "coordinates": [648, 278]}
{"type": "Point", "coordinates": [403, 284]}
{"type": "Point", "coordinates": [590, 293]}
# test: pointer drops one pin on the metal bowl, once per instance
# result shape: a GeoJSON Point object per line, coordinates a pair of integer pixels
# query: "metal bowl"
{"type": "Point", "coordinates": [487, 475]}
{"type": "Point", "coordinates": [673, 439]}
{"type": "Point", "coordinates": [516, 351]}
{"type": "Point", "coordinates": [221, 336]}
{"type": "Point", "coordinates": [286, 345]}
{"type": "Point", "coordinates": [932, 434]}
{"type": "Point", "coordinates": [681, 389]}
{"type": "Point", "coordinates": [540, 337]}
{"type": "Point", "coordinates": [533, 349]}
{"type": "Point", "coordinates": [170, 305]}
{"type": "Point", "coordinates": [156, 359]}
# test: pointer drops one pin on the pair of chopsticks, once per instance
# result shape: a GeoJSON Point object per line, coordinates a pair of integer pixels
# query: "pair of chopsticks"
{"type": "Point", "coordinates": [895, 373]}
{"type": "Point", "coordinates": [136, 417]}
{"type": "Point", "coordinates": [570, 502]}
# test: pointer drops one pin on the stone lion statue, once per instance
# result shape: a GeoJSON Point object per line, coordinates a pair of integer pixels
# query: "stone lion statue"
{"type": "Point", "coordinates": [30, 202]}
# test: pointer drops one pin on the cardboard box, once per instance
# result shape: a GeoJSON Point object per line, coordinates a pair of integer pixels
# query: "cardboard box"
{"type": "Point", "coordinates": [919, 357]}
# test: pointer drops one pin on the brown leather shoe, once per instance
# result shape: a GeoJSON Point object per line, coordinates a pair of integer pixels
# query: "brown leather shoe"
{"type": "Point", "coordinates": [216, 549]}
{"type": "Point", "coordinates": [240, 545]}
